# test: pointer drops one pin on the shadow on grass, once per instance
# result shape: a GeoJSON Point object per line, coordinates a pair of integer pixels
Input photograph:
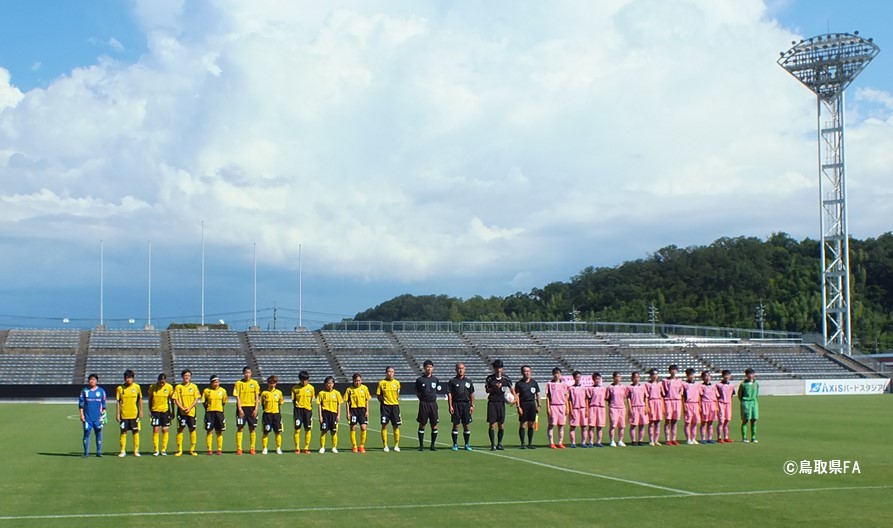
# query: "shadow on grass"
{"type": "Point", "coordinates": [69, 454]}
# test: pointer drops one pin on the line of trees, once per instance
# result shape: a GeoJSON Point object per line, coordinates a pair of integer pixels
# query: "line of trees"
{"type": "Point", "coordinates": [720, 284]}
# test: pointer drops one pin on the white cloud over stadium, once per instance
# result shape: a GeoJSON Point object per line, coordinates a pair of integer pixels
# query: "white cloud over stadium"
{"type": "Point", "coordinates": [410, 141]}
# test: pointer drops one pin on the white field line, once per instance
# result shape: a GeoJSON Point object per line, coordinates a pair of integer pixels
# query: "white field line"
{"type": "Point", "coordinates": [392, 507]}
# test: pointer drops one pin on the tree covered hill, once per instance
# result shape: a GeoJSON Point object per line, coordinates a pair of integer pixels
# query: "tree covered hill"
{"type": "Point", "coordinates": [716, 285]}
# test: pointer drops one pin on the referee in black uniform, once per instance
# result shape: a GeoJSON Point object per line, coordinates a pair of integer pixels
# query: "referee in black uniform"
{"type": "Point", "coordinates": [426, 388]}
{"type": "Point", "coordinates": [460, 397]}
{"type": "Point", "coordinates": [528, 392]}
{"type": "Point", "coordinates": [497, 384]}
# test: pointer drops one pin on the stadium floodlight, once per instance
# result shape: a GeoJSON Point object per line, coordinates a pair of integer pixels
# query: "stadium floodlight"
{"type": "Point", "coordinates": [827, 64]}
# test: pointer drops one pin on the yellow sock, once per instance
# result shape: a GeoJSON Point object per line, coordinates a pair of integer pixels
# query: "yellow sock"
{"type": "Point", "coordinates": [322, 440]}
{"type": "Point", "coordinates": [396, 437]}
{"type": "Point", "coordinates": [252, 439]}
{"type": "Point", "coordinates": [335, 439]}
{"type": "Point", "coordinates": [123, 442]}
{"type": "Point", "coordinates": [278, 440]}
{"type": "Point", "coordinates": [307, 436]}
{"type": "Point", "coordinates": [264, 441]}
{"type": "Point", "coordinates": [363, 438]}
{"type": "Point", "coordinates": [165, 438]}
{"type": "Point", "coordinates": [220, 441]}
{"type": "Point", "coordinates": [208, 439]}
{"type": "Point", "coordinates": [353, 438]}
{"type": "Point", "coordinates": [239, 440]}
{"type": "Point", "coordinates": [136, 442]}
{"type": "Point", "coordinates": [297, 440]}
{"type": "Point", "coordinates": [155, 442]}
{"type": "Point", "coordinates": [192, 440]}
{"type": "Point", "coordinates": [179, 441]}
{"type": "Point", "coordinates": [384, 437]}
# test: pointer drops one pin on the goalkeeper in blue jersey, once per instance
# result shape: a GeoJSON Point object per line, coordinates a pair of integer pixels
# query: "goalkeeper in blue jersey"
{"type": "Point", "coordinates": [92, 405]}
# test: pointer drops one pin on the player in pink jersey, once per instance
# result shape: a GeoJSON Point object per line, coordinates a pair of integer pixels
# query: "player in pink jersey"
{"type": "Point", "coordinates": [595, 396]}
{"type": "Point", "coordinates": [672, 393]}
{"type": "Point", "coordinates": [655, 407]}
{"type": "Point", "coordinates": [616, 396]}
{"type": "Point", "coordinates": [637, 397]}
{"type": "Point", "coordinates": [725, 390]}
{"type": "Point", "coordinates": [708, 408]}
{"type": "Point", "coordinates": [557, 394]}
{"type": "Point", "coordinates": [691, 394]}
{"type": "Point", "coordinates": [577, 395]}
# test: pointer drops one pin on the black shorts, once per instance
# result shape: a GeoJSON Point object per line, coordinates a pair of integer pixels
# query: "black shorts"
{"type": "Point", "coordinates": [272, 422]}
{"type": "Point", "coordinates": [461, 413]}
{"type": "Point", "coordinates": [303, 418]}
{"type": "Point", "coordinates": [428, 412]}
{"type": "Point", "coordinates": [132, 424]}
{"type": "Point", "coordinates": [390, 414]}
{"type": "Point", "coordinates": [495, 412]}
{"type": "Point", "coordinates": [328, 422]}
{"type": "Point", "coordinates": [528, 412]}
{"type": "Point", "coordinates": [187, 421]}
{"type": "Point", "coordinates": [161, 419]}
{"type": "Point", "coordinates": [247, 418]}
{"type": "Point", "coordinates": [358, 416]}
{"type": "Point", "coordinates": [215, 421]}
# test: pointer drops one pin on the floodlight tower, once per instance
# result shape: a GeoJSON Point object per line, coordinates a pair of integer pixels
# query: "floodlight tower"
{"type": "Point", "coordinates": [827, 64]}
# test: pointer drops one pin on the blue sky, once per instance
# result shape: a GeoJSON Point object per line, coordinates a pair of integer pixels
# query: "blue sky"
{"type": "Point", "coordinates": [421, 147]}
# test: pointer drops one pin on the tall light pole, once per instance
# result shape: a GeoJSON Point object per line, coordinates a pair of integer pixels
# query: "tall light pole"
{"type": "Point", "coordinates": [827, 64]}
{"type": "Point", "coordinates": [149, 305]}
{"type": "Point", "coordinates": [101, 282]}
{"type": "Point", "coordinates": [203, 275]}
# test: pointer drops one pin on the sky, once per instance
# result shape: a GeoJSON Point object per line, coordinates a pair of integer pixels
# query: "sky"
{"type": "Point", "coordinates": [425, 147]}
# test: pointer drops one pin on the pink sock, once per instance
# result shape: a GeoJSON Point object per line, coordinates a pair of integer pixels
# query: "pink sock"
{"type": "Point", "coordinates": [551, 435]}
{"type": "Point", "coordinates": [573, 436]}
{"type": "Point", "coordinates": [560, 434]}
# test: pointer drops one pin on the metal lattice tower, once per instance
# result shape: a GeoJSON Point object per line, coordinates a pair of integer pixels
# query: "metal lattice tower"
{"type": "Point", "coordinates": [827, 64]}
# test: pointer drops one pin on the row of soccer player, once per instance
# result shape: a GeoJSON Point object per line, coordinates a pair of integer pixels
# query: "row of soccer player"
{"type": "Point", "coordinates": [587, 407]}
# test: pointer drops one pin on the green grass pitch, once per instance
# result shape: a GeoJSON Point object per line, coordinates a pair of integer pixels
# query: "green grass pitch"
{"type": "Point", "coordinates": [46, 483]}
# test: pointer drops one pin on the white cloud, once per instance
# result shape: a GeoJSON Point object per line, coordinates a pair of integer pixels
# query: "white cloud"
{"type": "Point", "coordinates": [413, 141]}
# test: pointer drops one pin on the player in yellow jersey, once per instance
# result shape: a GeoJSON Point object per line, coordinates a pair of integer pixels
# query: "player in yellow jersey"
{"type": "Point", "coordinates": [329, 401]}
{"type": "Point", "coordinates": [302, 396]}
{"type": "Point", "coordinates": [388, 393]}
{"type": "Point", "coordinates": [186, 397]}
{"type": "Point", "coordinates": [160, 395]}
{"type": "Point", "coordinates": [246, 393]}
{"type": "Point", "coordinates": [129, 412]}
{"type": "Point", "coordinates": [271, 400]}
{"type": "Point", "coordinates": [357, 397]}
{"type": "Point", "coordinates": [214, 398]}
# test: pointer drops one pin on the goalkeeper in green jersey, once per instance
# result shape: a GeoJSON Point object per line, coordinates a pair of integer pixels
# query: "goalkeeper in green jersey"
{"type": "Point", "coordinates": [750, 408]}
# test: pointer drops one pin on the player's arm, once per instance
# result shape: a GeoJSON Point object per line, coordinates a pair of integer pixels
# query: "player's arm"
{"type": "Point", "coordinates": [338, 412]}
{"type": "Point", "coordinates": [118, 406]}
{"type": "Point", "coordinates": [237, 391]}
{"type": "Point", "coordinates": [378, 393]}
{"type": "Point", "coordinates": [450, 400]}
{"type": "Point", "coordinates": [139, 407]}
{"type": "Point", "coordinates": [256, 398]}
{"type": "Point", "coordinates": [81, 402]}
{"type": "Point", "coordinates": [740, 392]}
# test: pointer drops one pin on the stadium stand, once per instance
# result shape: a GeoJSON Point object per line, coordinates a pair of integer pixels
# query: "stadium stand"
{"type": "Point", "coordinates": [602, 361]}
{"type": "Point", "coordinates": [208, 352]}
{"type": "Point", "coordinates": [285, 354]}
{"type": "Point", "coordinates": [111, 367]}
{"type": "Point", "coordinates": [64, 356]}
{"type": "Point", "coordinates": [114, 340]}
{"type": "Point", "coordinates": [737, 360]}
{"type": "Point", "coordinates": [648, 358]}
{"type": "Point", "coordinates": [39, 340]}
{"type": "Point", "coordinates": [37, 368]}
{"type": "Point", "coordinates": [373, 365]}
{"type": "Point", "coordinates": [445, 349]}
{"type": "Point", "coordinates": [803, 362]}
